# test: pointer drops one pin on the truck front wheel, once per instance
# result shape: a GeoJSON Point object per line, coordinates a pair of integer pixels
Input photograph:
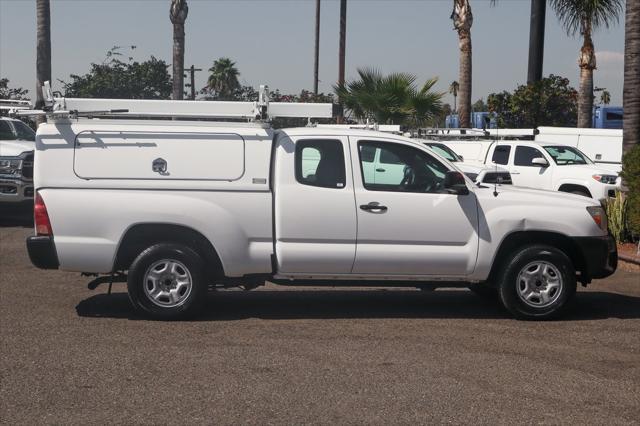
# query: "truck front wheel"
{"type": "Point", "coordinates": [166, 281]}
{"type": "Point", "coordinates": [537, 282]}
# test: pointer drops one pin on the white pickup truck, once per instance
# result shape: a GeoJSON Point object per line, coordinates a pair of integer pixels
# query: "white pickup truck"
{"type": "Point", "coordinates": [174, 207]}
{"type": "Point", "coordinates": [543, 165]}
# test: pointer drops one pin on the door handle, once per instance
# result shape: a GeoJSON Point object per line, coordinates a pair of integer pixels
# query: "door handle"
{"type": "Point", "coordinates": [514, 172]}
{"type": "Point", "coordinates": [373, 206]}
{"type": "Point", "coordinates": [380, 170]}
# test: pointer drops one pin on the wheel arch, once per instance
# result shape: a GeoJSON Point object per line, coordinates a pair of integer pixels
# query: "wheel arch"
{"type": "Point", "coordinates": [142, 235]}
{"type": "Point", "coordinates": [570, 187]}
{"type": "Point", "coordinates": [519, 239]}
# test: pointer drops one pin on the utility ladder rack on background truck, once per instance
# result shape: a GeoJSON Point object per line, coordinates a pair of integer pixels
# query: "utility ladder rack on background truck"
{"type": "Point", "coordinates": [260, 111]}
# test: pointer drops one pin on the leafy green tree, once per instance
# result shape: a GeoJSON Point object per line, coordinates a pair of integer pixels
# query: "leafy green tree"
{"type": "Point", "coordinates": [631, 176]}
{"type": "Point", "coordinates": [605, 97]}
{"type": "Point", "coordinates": [118, 79]}
{"type": "Point", "coordinates": [548, 102]}
{"type": "Point", "coordinates": [479, 105]}
{"type": "Point", "coordinates": [391, 99]}
{"type": "Point", "coordinates": [583, 17]}
{"type": "Point", "coordinates": [6, 92]}
{"type": "Point", "coordinates": [223, 80]}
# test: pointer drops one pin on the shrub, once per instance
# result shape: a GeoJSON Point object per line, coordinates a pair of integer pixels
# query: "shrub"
{"type": "Point", "coordinates": [617, 214]}
{"type": "Point", "coordinates": [631, 179]}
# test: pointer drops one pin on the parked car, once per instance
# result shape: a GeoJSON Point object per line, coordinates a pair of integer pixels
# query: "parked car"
{"type": "Point", "coordinates": [17, 142]}
{"type": "Point", "coordinates": [543, 165]}
{"type": "Point", "coordinates": [174, 207]}
{"type": "Point", "coordinates": [477, 173]}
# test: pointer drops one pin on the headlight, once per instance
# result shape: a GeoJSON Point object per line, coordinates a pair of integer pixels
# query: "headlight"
{"type": "Point", "coordinates": [10, 166]}
{"type": "Point", "coordinates": [606, 179]}
{"type": "Point", "coordinates": [599, 216]}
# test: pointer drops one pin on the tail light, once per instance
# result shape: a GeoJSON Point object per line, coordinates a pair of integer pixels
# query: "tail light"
{"type": "Point", "coordinates": [599, 216]}
{"type": "Point", "coordinates": [41, 217]}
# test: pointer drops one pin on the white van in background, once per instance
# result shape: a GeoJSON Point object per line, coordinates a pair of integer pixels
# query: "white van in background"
{"type": "Point", "coordinates": [602, 146]}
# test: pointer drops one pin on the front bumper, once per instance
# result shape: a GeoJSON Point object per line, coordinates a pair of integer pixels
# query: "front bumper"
{"type": "Point", "coordinates": [600, 256]}
{"type": "Point", "coordinates": [42, 252]}
{"type": "Point", "coordinates": [15, 191]}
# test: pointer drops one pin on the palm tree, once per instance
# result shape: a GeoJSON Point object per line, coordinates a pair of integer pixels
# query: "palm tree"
{"type": "Point", "coordinates": [605, 97]}
{"type": "Point", "coordinates": [391, 99]}
{"type": "Point", "coordinates": [585, 16]}
{"type": "Point", "coordinates": [453, 89]}
{"type": "Point", "coordinates": [462, 21]}
{"type": "Point", "coordinates": [224, 78]}
{"type": "Point", "coordinates": [631, 91]}
{"type": "Point", "coordinates": [342, 51]}
{"type": "Point", "coordinates": [43, 49]}
{"type": "Point", "coordinates": [178, 14]}
{"type": "Point", "coordinates": [316, 55]}
{"type": "Point", "coordinates": [536, 40]}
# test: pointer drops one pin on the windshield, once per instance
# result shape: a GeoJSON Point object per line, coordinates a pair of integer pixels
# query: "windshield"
{"type": "Point", "coordinates": [564, 155]}
{"type": "Point", "coordinates": [16, 130]}
{"type": "Point", "coordinates": [444, 151]}
{"type": "Point", "coordinates": [23, 131]}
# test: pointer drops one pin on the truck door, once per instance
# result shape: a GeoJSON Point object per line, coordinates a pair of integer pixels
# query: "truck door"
{"type": "Point", "coordinates": [527, 174]}
{"type": "Point", "coordinates": [315, 217]}
{"type": "Point", "coordinates": [407, 225]}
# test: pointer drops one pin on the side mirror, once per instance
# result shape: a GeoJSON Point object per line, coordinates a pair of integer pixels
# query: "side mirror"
{"type": "Point", "coordinates": [539, 161]}
{"type": "Point", "coordinates": [454, 183]}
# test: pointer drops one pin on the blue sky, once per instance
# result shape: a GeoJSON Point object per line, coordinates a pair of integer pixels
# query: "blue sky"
{"type": "Point", "coordinates": [272, 40]}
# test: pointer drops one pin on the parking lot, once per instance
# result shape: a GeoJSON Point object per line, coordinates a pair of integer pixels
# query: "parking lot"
{"type": "Point", "coordinates": [288, 355]}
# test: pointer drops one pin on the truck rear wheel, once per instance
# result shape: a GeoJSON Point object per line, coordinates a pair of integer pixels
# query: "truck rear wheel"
{"type": "Point", "coordinates": [166, 281]}
{"type": "Point", "coordinates": [537, 282]}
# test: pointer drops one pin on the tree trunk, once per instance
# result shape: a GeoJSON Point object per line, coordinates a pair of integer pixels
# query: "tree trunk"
{"type": "Point", "coordinates": [585, 98]}
{"type": "Point", "coordinates": [178, 61]}
{"type": "Point", "coordinates": [455, 105]}
{"type": "Point", "coordinates": [462, 22]}
{"type": "Point", "coordinates": [43, 51]}
{"type": "Point", "coordinates": [341, 53]}
{"type": "Point", "coordinates": [631, 91]}
{"type": "Point", "coordinates": [587, 64]}
{"type": "Point", "coordinates": [536, 40]}
{"type": "Point", "coordinates": [464, 92]}
{"type": "Point", "coordinates": [316, 56]}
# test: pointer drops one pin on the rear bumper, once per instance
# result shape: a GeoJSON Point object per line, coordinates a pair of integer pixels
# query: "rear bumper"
{"type": "Point", "coordinates": [600, 256]}
{"type": "Point", "coordinates": [42, 252]}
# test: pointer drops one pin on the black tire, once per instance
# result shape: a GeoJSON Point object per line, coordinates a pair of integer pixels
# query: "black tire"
{"type": "Point", "coordinates": [188, 264]}
{"type": "Point", "coordinates": [512, 285]}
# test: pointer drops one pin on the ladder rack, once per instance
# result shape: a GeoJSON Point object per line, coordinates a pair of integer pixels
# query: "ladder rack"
{"type": "Point", "coordinates": [261, 110]}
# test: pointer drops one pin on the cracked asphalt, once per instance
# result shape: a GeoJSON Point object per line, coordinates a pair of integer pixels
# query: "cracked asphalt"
{"type": "Point", "coordinates": [281, 355]}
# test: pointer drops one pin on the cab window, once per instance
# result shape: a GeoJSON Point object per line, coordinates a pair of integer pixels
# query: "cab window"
{"type": "Point", "coordinates": [501, 154]}
{"type": "Point", "coordinates": [406, 169]}
{"type": "Point", "coordinates": [320, 162]}
{"type": "Point", "coordinates": [524, 155]}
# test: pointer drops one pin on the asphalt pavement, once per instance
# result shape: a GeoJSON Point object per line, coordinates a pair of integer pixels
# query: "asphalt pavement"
{"type": "Point", "coordinates": [280, 355]}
